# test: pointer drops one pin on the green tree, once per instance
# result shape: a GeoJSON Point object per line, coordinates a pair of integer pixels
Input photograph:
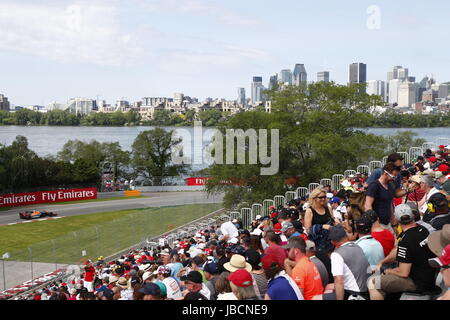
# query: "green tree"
{"type": "Point", "coordinates": [210, 118]}
{"type": "Point", "coordinates": [151, 156]}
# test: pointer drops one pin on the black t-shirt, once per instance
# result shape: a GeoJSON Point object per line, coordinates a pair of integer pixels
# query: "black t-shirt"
{"type": "Point", "coordinates": [440, 221]}
{"type": "Point", "coordinates": [413, 249]}
{"type": "Point", "coordinates": [383, 200]}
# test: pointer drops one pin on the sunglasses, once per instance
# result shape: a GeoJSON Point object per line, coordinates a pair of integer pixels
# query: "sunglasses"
{"type": "Point", "coordinates": [321, 198]}
{"type": "Point", "coordinates": [390, 175]}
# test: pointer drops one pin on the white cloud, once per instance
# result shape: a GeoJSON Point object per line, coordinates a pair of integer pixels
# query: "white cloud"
{"type": "Point", "coordinates": [77, 32]}
{"type": "Point", "coordinates": [201, 7]}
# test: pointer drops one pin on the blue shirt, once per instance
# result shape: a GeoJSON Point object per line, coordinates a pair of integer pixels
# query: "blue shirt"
{"type": "Point", "coordinates": [175, 268]}
{"type": "Point", "coordinates": [280, 289]}
{"type": "Point", "coordinates": [373, 250]}
{"type": "Point", "coordinates": [376, 174]}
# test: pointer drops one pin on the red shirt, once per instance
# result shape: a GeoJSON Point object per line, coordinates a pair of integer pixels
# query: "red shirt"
{"type": "Point", "coordinates": [387, 240]}
{"type": "Point", "coordinates": [278, 252]}
{"type": "Point", "coordinates": [416, 195]}
{"type": "Point", "coordinates": [89, 275]}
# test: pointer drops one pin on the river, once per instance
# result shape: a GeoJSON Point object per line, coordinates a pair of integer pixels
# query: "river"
{"type": "Point", "coordinates": [45, 140]}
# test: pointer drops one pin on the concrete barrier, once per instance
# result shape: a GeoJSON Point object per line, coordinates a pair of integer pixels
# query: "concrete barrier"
{"type": "Point", "coordinates": [171, 188]}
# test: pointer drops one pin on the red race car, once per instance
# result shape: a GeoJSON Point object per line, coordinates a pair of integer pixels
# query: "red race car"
{"type": "Point", "coordinates": [36, 214]}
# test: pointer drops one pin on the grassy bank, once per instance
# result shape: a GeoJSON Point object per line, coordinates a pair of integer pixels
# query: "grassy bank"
{"type": "Point", "coordinates": [64, 240]}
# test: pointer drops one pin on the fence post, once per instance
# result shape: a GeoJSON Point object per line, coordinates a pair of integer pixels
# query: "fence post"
{"type": "Point", "coordinates": [4, 275]}
{"type": "Point", "coordinates": [31, 262]}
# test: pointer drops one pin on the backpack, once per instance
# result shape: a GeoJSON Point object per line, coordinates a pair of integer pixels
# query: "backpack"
{"type": "Point", "coordinates": [357, 200]}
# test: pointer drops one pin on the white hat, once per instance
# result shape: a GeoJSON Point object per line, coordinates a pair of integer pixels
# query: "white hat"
{"type": "Point", "coordinates": [201, 245]}
{"type": "Point", "coordinates": [196, 252]}
{"type": "Point", "coordinates": [197, 235]}
{"type": "Point", "coordinates": [233, 241]}
{"type": "Point", "coordinates": [146, 275]}
{"type": "Point", "coordinates": [330, 195]}
{"type": "Point", "coordinates": [181, 251]}
{"type": "Point", "coordinates": [234, 221]}
{"type": "Point", "coordinates": [258, 217]}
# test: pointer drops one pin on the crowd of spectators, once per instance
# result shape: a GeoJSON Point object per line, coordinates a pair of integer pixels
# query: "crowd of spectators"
{"type": "Point", "coordinates": [326, 246]}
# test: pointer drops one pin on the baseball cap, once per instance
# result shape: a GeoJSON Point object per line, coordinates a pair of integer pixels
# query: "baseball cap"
{"type": "Point", "coordinates": [364, 224]}
{"type": "Point", "coordinates": [372, 214]}
{"type": "Point", "coordinates": [211, 267]}
{"type": "Point", "coordinates": [438, 200]}
{"type": "Point", "coordinates": [336, 233]}
{"type": "Point", "coordinates": [286, 225]}
{"type": "Point", "coordinates": [146, 275]}
{"type": "Point", "coordinates": [432, 159]}
{"type": "Point", "coordinates": [277, 228]}
{"type": "Point", "coordinates": [162, 288]}
{"type": "Point", "coordinates": [151, 289]}
{"type": "Point", "coordinates": [253, 257]}
{"type": "Point", "coordinates": [416, 178]}
{"type": "Point", "coordinates": [329, 195]}
{"type": "Point", "coordinates": [403, 213]}
{"type": "Point", "coordinates": [238, 250]}
{"type": "Point", "coordinates": [438, 240]}
{"type": "Point", "coordinates": [334, 200]}
{"type": "Point", "coordinates": [443, 260]}
{"type": "Point", "coordinates": [195, 296]}
{"type": "Point", "coordinates": [258, 217]}
{"type": "Point", "coordinates": [241, 278]}
{"type": "Point", "coordinates": [193, 276]}
{"type": "Point", "coordinates": [269, 262]}
{"type": "Point", "coordinates": [443, 168]}
{"type": "Point", "coordinates": [233, 241]}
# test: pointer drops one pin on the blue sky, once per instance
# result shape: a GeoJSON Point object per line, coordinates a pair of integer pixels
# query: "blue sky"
{"type": "Point", "coordinates": [52, 50]}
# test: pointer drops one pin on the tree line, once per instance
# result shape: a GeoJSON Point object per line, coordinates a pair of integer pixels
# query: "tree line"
{"type": "Point", "coordinates": [209, 118]}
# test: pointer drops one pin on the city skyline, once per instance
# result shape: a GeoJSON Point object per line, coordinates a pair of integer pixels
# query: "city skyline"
{"type": "Point", "coordinates": [57, 57]}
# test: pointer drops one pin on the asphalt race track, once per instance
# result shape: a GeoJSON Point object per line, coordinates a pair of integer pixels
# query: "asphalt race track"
{"type": "Point", "coordinates": [151, 199]}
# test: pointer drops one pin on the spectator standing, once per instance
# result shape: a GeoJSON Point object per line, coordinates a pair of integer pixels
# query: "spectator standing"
{"type": "Point", "coordinates": [274, 249]}
{"type": "Point", "coordinates": [318, 211]}
{"type": "Point", "coordinates": [380, 194]}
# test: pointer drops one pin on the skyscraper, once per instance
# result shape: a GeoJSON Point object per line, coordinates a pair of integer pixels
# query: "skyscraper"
{"type": "Point", "coordinates": [357, 73]}
{"type": "Point", "coordinates": [4, 103]}
{"type": "Point", "coordinates": [376, 87]}
{"type": "Point", "coordinates": [299, 75]}
{"type": "Point", "coordinates": [394, 86]}
{"type": "Point", "coordinates": [285, 76]}
{"type": "Point", "coordinates": [257, 88]}
{"type": "Point", "coordinates": [273, 81]}
{"type": "Point", "coordinates": [241, 97]}
{"type": "Point", "coordinates": [406, 94]}
{"type": "Point", "coordinates": [323, 76]}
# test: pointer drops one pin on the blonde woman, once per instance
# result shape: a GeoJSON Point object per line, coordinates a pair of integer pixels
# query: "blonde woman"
{"type": "Point", "coordinates": [318, 211]}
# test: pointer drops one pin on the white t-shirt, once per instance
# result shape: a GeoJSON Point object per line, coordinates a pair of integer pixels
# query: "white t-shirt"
{"type": "Point", "coordinates": [226, 296]}
{"type": "Point", "coordinates": [228, 228]}
{"type": "Point", "coordinates": [173, 289]}
{"type": "Point", "coordinates": [339, 268]}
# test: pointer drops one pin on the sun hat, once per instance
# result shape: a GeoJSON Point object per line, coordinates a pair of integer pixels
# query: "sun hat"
{"type": "Point", "coordinates": [113, 279]}
{"type": "Point", "coordinates": [237, 262]}
{"type": "Point", "coordinates": [438, 240]}
{"type": "Point", "coordinates": [123, 283]}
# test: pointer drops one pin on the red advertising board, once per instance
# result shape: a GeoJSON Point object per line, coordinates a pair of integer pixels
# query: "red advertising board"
{"type": "Point", "coordinates": [196, 181]}
{"type": "Point", "coordinates": [24, 199]}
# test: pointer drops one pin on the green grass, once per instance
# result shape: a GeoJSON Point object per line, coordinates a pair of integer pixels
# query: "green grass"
{"type": "Point", "coordinates": [80, 201]}
{"type": "Point", "coordinates": [63, 240]}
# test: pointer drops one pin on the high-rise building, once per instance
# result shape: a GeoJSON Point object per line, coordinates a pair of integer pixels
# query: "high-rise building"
{"type": "Point", "coordinates": [241, 97]}
{"type": "Point", "coordinates": [299, 76]}
{"type": "Point", "coordinates": [357, 73]}
{"type": "Point", "coordinates": [394, 86]}
{"type": "Point", "coordinates": [323, 76]}
{"type": "Point", "coordinates": [273, 81]}
{"type": "Point", "coordinates": [403, 74]}
{"type": "Point", "coordinates": [56, 106]}
{"type": "Point", "coordinates": [441, 89]}
{"type": "Point", "coordinates": [406, 94]}
{"type": "Point", "coordinates": [376, 87]}
{"type": "Point", "coordinates": [4, 103]}
{"type": "Point", "coordinates": [178, 98]}
{"type": "Point", "coordinates": [285, 77]}
{"type": "Point", "coordinates": [257, 89]}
